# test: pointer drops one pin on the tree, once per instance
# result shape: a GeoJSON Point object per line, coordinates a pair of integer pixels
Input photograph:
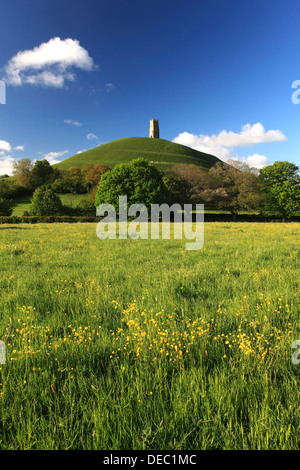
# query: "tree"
{"type": "Point", "coordinates": [234, 187]}
{"type": "Point", "coordinates": [62, 183]}
{"type": "Point", "coordinates": [281, 189]}
{"type": "Point", "coordinates": [140, 181]}
{"type": "Point", "coordinates": [22, 172]}
{"type": "Point", "coordinates": [6, 189]}
{"type": "Point", "coordinates": [10, 190]}
{"type": "Point", "coordinates": [92, 194]}
{"type": "Point", "coordinates": [70, 181]}
{"type": "Point", "coordinates": [6, 207]}
{"type": "Point", "coordinates": [94, 174]}
{"type": "Point", "coordinates": [186, 183]}
{"type": "Point", "coordinates": [86, 167]}
{"type": "Point", "coordinates": [41, 173]}
{"type": "Point", "coordinates": [76, 181]}
{"type": "Point", "coordinates": [45, 202]}
{"type": "Point", "coordinates": [86, 208]}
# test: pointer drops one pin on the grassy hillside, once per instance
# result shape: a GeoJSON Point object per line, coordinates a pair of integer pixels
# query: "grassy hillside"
{"type": "Point", "coordinates": [161, 152]}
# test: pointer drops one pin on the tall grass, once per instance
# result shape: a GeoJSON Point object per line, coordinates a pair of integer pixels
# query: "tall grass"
{"type": "Point", "coordinates": [140, 344]}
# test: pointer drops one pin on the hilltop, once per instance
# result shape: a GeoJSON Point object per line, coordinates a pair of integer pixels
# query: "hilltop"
{"type": "Point", "coordinates": [161, 152]}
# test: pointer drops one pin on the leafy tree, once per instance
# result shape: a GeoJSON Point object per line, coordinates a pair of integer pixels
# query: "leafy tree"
{"type": "Point", "coordinates": [6, 207]}
{"type": "Point", "coordinates": [92, 194]}
{"type": "Point", "coordinates": [186, 183]}
{"type": "Point", "coordinates": [281, 189]}
{"type": "Point", "coordinates": [94, 174]}
{"type": "Point", "coordinates": [62, 183]}
{"type": "Point", "coordinates": [6, 189]}
{"type": "Point", "coordinates": [86, 167]}
{"type": "Point", "coordinates": [86, 208]}
{"type": "Point", "coordinates": [45, 202]}
{"type": "Point", "coordinates": [70, 181]}
{"type": "Point", "coordinates": [234, 186]}
{"type": "Point", "coordinates": [22, 172]}
{"type": "Point", "coordinates": [10, 190]}
{"type": "Point", "coordinates": [140, 181]}
{"type": "Point", "coordinates": [76, 180]}
{"type": "Point", "coordinates": [41, 173]}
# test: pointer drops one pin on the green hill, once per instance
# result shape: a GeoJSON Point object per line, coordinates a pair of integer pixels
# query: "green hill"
{"type": "Point", "coordinates": [158, 151]}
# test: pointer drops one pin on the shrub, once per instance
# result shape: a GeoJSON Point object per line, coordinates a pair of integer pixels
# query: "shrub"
{"type": "Point", "coordinates": [86, 208]}
{"type": "Point", "coordinates": [45, 202]}
{"type": "Point", "coordinates": [6, 207]}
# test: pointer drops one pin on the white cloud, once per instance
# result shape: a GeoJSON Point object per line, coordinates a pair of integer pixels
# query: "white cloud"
{"type": "Point", "coordinates": [72, 122]}
{"type": "Point", "coordinates": [54, 157]}
{"type": "Point", "coordinates": [203, 143]}
{"type": "Point", "coordinates": [6, 164]}
{"type": "Point", "coordinates": [222, 145]}
{"type": "Point", "coordinates": [6, 161]}
{"type": "Point", "coordinates": [51, 79]}
{"type": "Point", "coordinates": [5, 146]}
{"type": "Point", "coordinates": [257, 161]}
{"type": "Point", "coordinates": [110, 87]}
{"type": "Point", "coordinates": [91, 136]}
{"type": "Point", "coordinates": [49, 64]}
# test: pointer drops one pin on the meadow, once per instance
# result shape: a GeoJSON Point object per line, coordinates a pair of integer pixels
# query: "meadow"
{"type": "Point", "coordinates": [140, 344]}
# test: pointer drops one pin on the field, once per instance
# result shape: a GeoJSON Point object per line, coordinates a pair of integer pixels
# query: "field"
{"type": "Point", "coordinates": [140, 344]}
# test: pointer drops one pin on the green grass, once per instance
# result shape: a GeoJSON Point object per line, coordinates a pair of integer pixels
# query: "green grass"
{"type": "Point", "coordinates": [72, 200]}
{"type": "Point", "coordinates": [161, 152]}
{"type": "Point", "coordinates": [23, 203]}
{"type": "Point", "coordinates": [140, 344]}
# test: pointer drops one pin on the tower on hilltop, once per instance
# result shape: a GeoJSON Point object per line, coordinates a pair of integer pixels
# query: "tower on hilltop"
{"type": "Point", "coordinates": [154, 129]}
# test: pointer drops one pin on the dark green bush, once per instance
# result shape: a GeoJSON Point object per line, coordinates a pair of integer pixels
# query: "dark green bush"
{"type": "Point", "coordinates": [6, 207]}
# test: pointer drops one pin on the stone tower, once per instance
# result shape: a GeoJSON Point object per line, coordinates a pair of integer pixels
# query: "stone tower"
{"type": "Point", "coordinates": [154, 129]}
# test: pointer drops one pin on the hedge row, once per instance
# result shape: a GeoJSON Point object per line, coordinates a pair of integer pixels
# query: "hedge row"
{"type": "Point", "coordinates": [207, 218]}
{"type": "Point", "coordinates": [45, 219]}
{"type": "Point", "coordinates": [246, 218]}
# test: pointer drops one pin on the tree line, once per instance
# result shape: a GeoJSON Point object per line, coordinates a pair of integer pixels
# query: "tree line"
{"type": "Point", "coordinates": [233, 186]}
{"type": "Point", "coordinates": [44, 182]}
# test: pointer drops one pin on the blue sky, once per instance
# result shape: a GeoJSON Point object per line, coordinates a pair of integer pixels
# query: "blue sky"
{"type": "Point", "coordinates": [217, 74]}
